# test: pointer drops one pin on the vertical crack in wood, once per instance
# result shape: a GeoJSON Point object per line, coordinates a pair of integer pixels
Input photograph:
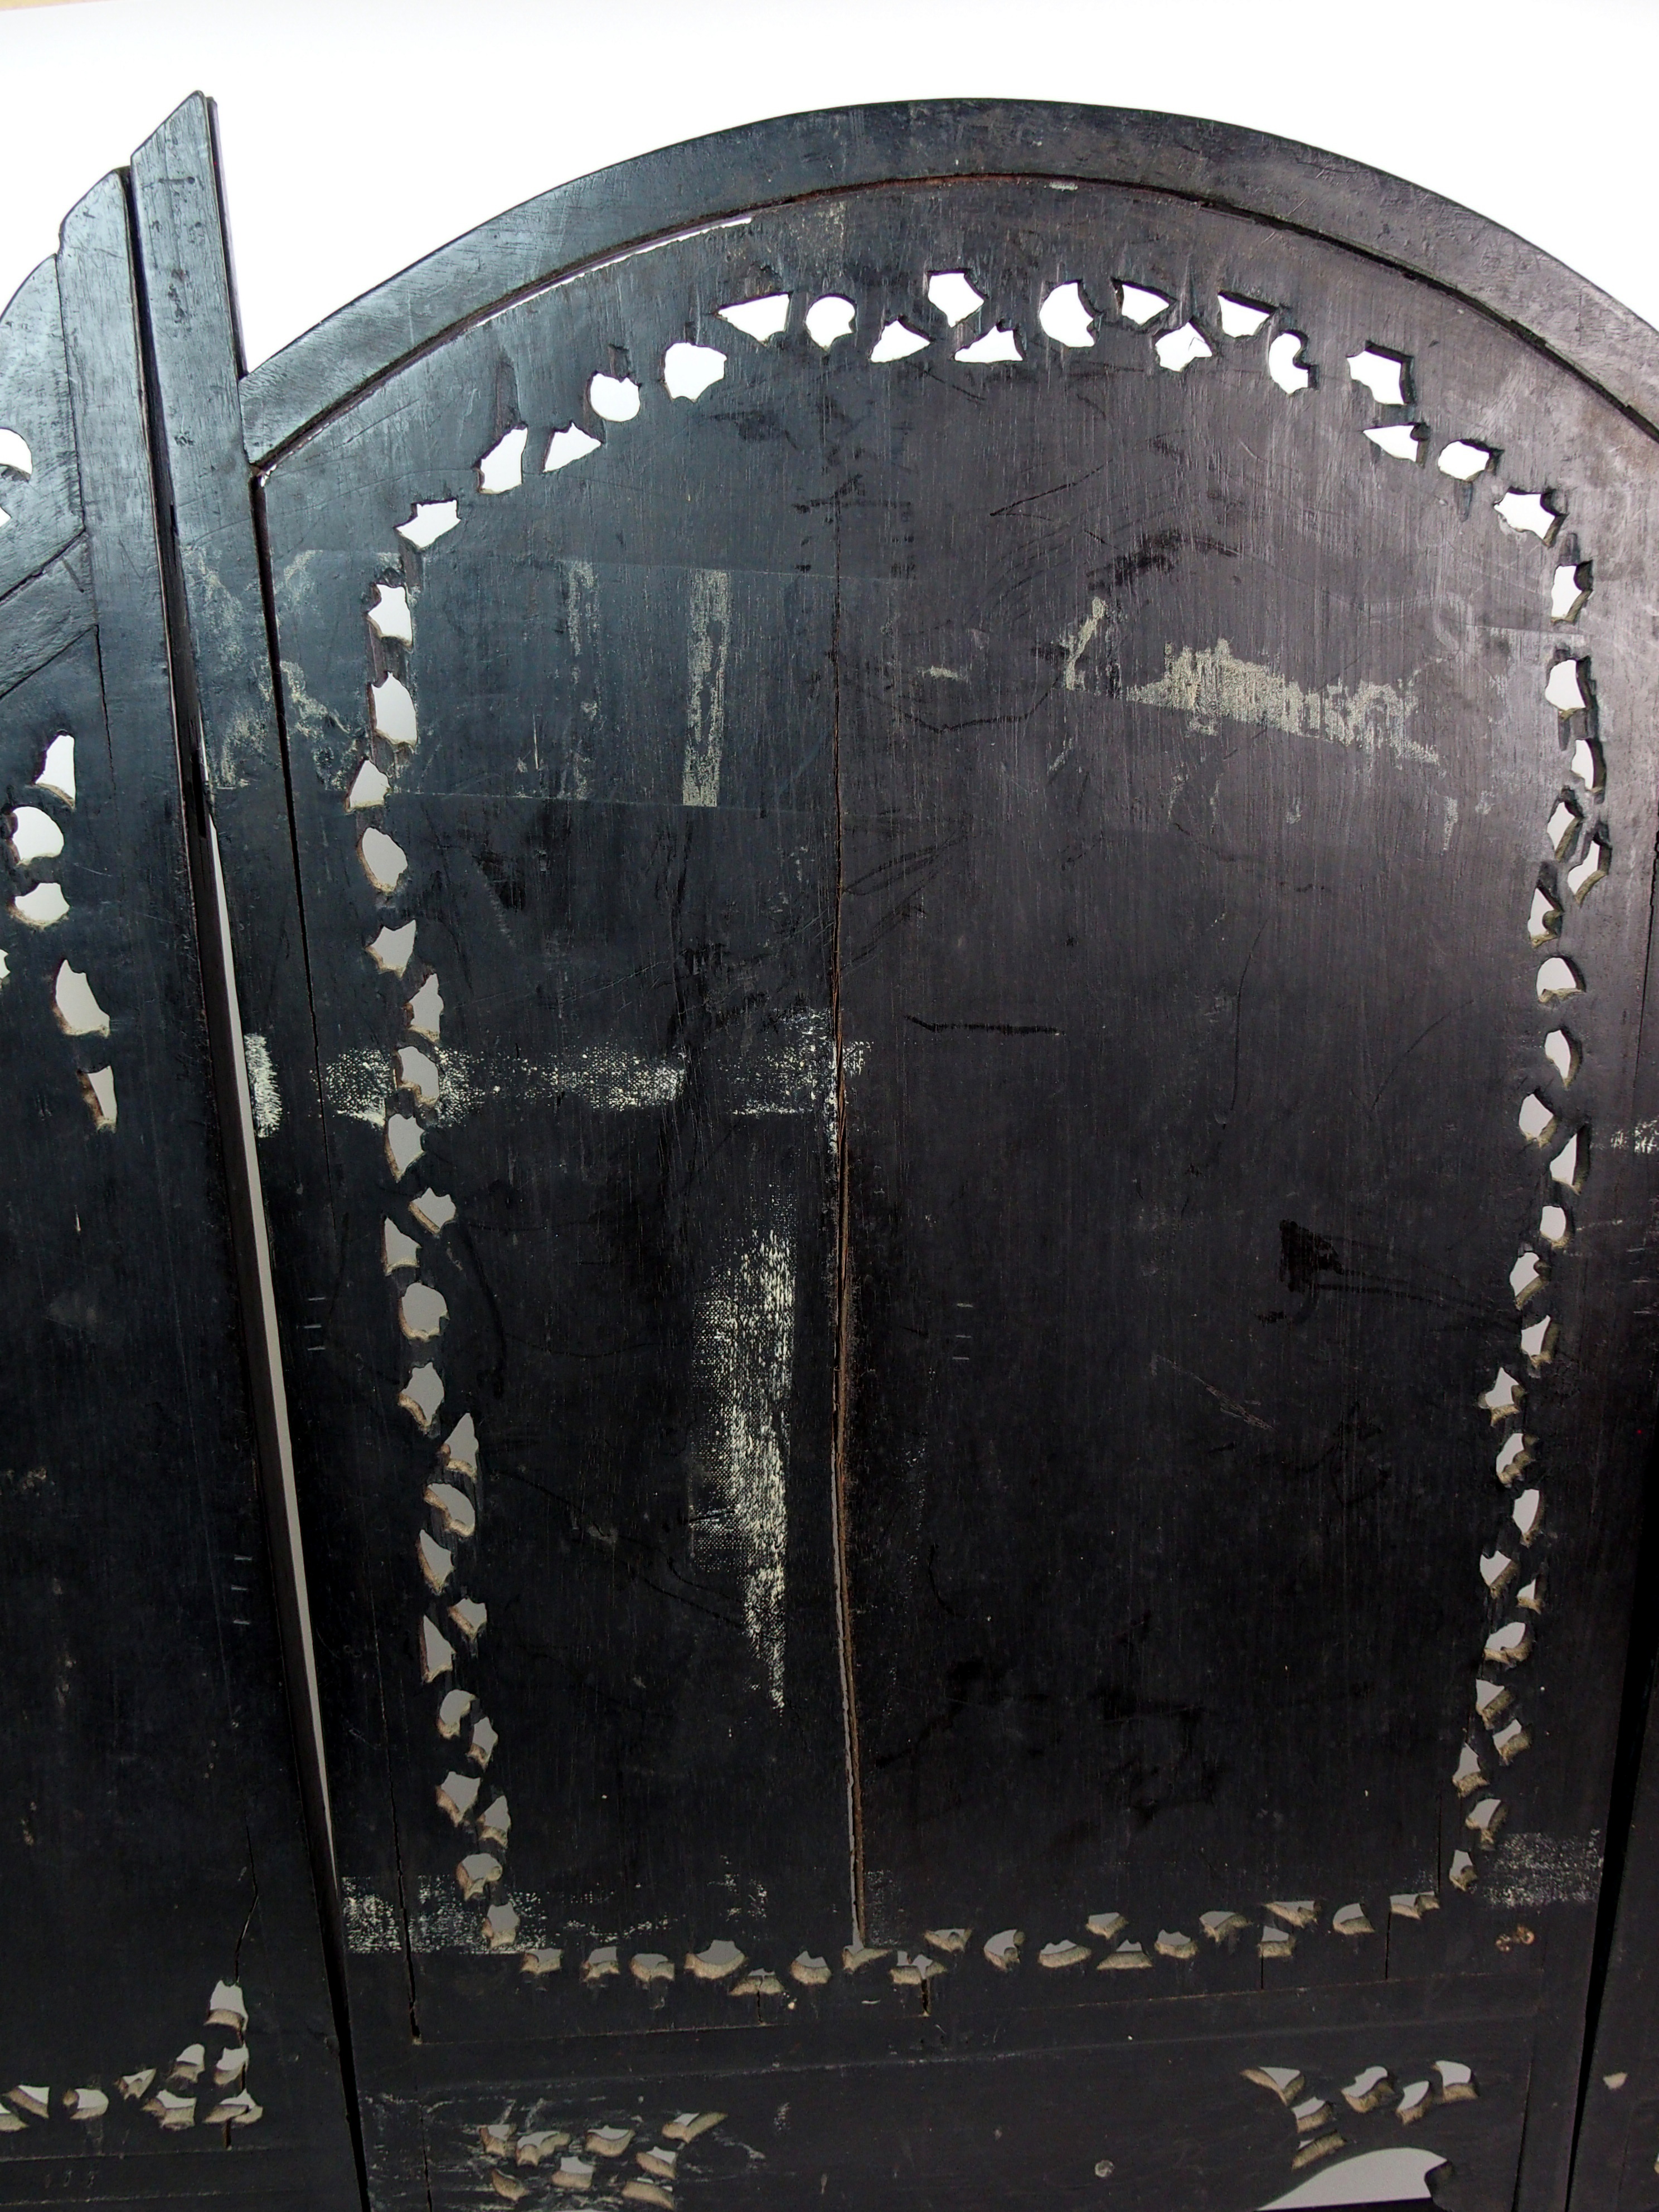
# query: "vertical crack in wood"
{"type": "Point", "coordinates": [843, 1300]}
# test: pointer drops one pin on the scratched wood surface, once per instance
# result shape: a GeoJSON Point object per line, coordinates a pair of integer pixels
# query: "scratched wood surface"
{"type": "Point", "coordinates": [887, 1302]}
{"type": "Point", "coordinates": [165, 2032]}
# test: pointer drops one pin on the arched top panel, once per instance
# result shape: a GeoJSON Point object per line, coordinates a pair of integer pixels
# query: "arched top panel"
{"type": "Point", "coordinates": [1296, 187]}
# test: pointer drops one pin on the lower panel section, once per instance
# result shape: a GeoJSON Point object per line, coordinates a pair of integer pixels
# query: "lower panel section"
{"type": "Point", "coordinates": [1195, 2105]}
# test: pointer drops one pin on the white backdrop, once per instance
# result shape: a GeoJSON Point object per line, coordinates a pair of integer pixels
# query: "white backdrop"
{"type": "Point", "coordinates": [360, 134]}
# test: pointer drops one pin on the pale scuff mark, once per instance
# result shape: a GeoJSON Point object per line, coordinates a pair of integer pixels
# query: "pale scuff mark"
{"type": "Point", "coordinates": [264, 1099]}
{"type": "Point", "coordinates": [1642, 1138]}
{"type": "Point", "coordinates": [612, 1078]}
{"type": "Point", "coordinates": [581, 622]}
{"type": "Point", "coordinates": [1210, 684]}
{"type": "Point", "coordinates": [795, 1070]}
{"type": "Point", "coordinates": [709, 629]}
{"type": "Point", "coordinates": [745, 1333]}
{"type": "Point", "coordinates": [1078, 642]}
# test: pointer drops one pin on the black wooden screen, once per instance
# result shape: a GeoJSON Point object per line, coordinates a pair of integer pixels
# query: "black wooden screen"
{"type": "Point", "coordinates": [166, 2028]}
{"type": "Point", "coordinates": [942, 919]}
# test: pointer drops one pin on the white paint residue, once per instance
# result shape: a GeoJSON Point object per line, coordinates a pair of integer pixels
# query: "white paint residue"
{"type": "Point", "coordinates": [264, 1099]}
{"type": "Point", "coordinates": [708, 628]}
{"type": "Point", "coordinates": [1078, 642]}
{"type": "Point", "coordinates": [1535, 1870]}
{"type": "Point", "coordinates": [1644, 1137]}
{"type": "Point", "coordinates": [371, 1923]}
{"type": "Point", "coordinates": [611, 1078]}
{"type": "Point", "coordinates": [1210, 684]}
{"type": "Point", "coordinates": [745, 1359]}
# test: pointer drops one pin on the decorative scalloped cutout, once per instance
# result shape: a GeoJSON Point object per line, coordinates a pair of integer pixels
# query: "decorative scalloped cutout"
{"type": "Point", "coordinates": [389, 618]}
{"type": "Point", "coordinates": [1590, 869]}
{"type": "Point", "coordinates": [1515, 1453]}
{"type": "Point", "coordinates": [1463, 460]}
{"type": "Point", "coordinates": [384, 861]}
{"type": "Point", "coordinates": [435, 1211]}
{"type": "Point", "coordinates": [392, 950]}
{"type": "Point", "coordinates": [897, 341]}
{"type": "Point", "coordinates": [689, 370]}
{"type": "Point", "coordinates": [1401, 441]}
{"type": "Point", "coordinates": [999, 344]}
{"type": "Point", "coordinates": [430, 520]}
{"type": "Point", "coordinates": [1066, 316]}
{"type": "Point", "coordinates": [761, 320]}
{"type": "Point", "coordinates": [75, 1006]}
{"type": "Point", "coordinates": [1564, 688]}
{"type": "Point", "coordinates": [423, 1395]}
{"type": "Point", "coordinates": [1240, 318]}
{"type": "Point", "coordinates": [1529, 513]}
{"type": "Point", "coordinates": [1502, 1397]}
{"type": "Point", "coordinates": [829, 319]}
{"type": "Point", "coordinates": [98, 1089]}
{"type": "Point", "coordinates": [1526, 1277]}
{"type": "Point", "coordinates": [1538, 1122]}
{"type": "Point", "coordinates": [1587, 765]}
{"type": "Point", "coordinates": [956, 299]}
{"type": "Point", "coordinates": [1284, 363]}
{"type": "Point", "coordinates": [502, 468]}
{"type": "Point", "coordinates": [422, 1312]}
{"type": "Point", "coordinates": [1558, 979]}
{"type": "Point", "coordinates": [1385, 375]}
{"type": "Point", "coordinates": [1139, 304]}
{"type": "Point", "coordinates": [57, 770]}
{"type": "Point", "coordinates": [1566, 820]}
{"type": "Point", "coordinates": [34, 836]}
{"type": "Point", "coordinates": [424, 1012]}
{"type": "Point", "coordinates": [1544, 918]}
{"type": "Point", "coordinates": [1562, 1054]}
{"type": "Point", "coordinates": [1570, 587]}
{"type": "Point", "coordinates": [42, 907]}
{"type": "Point", "coordinates": [1178, 349]}
{"type": "Point", "coordinates": [573, 443]}
{"type": "Point", "coordinates": [614, 398]}
{"type": "Point", "coordinates": [394, 712]}
{"type": "Point", "coordinates": [369, 788]}
{"type": "Point", "coordinates": [14, 454]}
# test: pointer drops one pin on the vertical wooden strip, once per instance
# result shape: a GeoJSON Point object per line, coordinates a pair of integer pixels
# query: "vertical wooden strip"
{"type": "Point", "coordinates": [187, 1256]}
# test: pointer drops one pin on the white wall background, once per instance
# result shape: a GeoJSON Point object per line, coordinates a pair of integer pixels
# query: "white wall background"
{"type": "Point", "coordinates": [360, 134]}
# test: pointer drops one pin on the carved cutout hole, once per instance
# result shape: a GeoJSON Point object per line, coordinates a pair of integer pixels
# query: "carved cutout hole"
{"type": "Point", "coordinates": [1178, 349]}
{"type": "Point", "coordinates": [1463, 460]}
{"type": "Point", "coordinates": [829, 318]}
{"type": "Point", "coordinates": [57, 770]}
{"type": "Point", "coordinates": [1284, 363]}
{"type": "Point", "coordinates": [761, 320]}
{"type": "Point", "coordinates": [956, 299]}
{"type": "Point", "coordinates": [1139, 304]}
{"type": "Point", "coordinates": [502, 468]}
{"type": "Point", "coordinates": [687, 370]}
{"type": "Point", "coordinates": [896, 342]}
{"type": "Point", "coordinates": [998, 344]}
{"type": "Point", "coordinates": [573, 443]}
{"type": "Point", "coordinates": [431, 520]}
{"type": "Point", "coordinates": [615, 398]}
{"type": "Point", "coordinates": [1067, 317]}
{"type": "Point", "coordinates": [1240, 318]}
{"type": "Point", "coordinates": [41, 907]}
{"type": "Point", "coordinates": [34, 836]}
{"type": "Point", "coordinates": [1401, 441]}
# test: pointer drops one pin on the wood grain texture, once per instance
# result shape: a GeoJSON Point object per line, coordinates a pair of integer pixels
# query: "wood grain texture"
{"type": "Point", "coordinates": [1302, 188]}
{"type": "Point", "coordinates": [153, 1845]}
{"type": "Point", "coordinates": [980, 918]}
